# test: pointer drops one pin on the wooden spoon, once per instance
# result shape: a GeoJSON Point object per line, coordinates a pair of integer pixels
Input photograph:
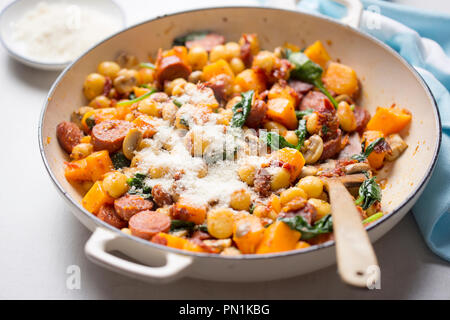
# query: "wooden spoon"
{"type": "Point", "coordinates": [354, 252]}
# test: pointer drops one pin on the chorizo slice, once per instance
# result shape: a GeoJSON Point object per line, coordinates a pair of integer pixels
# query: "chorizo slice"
{"type": "Point", "coordinates": [146, 224]}
{"type": "Point", "coordinates": [130, 204]}
{"type": "Point", "coordinates": [161, 196]}
{"type": "Point", "coordinates": [300, 87]}
{"type": "Point", "coordinates": [257, 114]}
{"type": "Point", "coordinates": [170, 68]}
{"type": "Point", "coordinates": [207, 42]}
{"type": "Point", "coordinates": [69, 135]}
{"type": "Point", "coordinates": [262, 182]}
{"type": "Point", "coordinates": [314, 100]}
{"type": "Point", "coordinates": [362, 117]}
{"type": "Point", "coordinates": [331, 147]}
{"type": "Point", "coordinates": [108, 214]}
{"type": "Point", "coordinates": [109, 134]}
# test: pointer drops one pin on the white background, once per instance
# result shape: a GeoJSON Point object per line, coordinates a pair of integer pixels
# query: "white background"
{"type": "Point", "coordinates": [39, 237]}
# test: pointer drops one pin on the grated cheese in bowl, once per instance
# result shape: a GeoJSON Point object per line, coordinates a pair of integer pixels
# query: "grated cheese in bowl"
{"type": "Point", "coordinates": [60, 32]}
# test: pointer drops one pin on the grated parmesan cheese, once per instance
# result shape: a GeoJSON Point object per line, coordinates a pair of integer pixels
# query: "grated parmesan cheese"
{"type": "Point", "coordinates": [60, 32]}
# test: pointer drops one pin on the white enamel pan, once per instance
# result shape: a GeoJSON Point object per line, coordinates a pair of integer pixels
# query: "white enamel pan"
{"type": "Point", "coordinates": [385, 79]}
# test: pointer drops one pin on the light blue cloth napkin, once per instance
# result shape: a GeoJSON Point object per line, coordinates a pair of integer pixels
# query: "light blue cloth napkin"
{"type": "Point", "coordinates": [423, 39]}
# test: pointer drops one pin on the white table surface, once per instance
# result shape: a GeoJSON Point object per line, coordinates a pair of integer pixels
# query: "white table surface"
{"type": "Point", "coordinates": [40, 238]}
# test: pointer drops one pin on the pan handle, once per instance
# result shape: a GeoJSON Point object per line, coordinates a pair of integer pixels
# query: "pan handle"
{"type": "Point", "coordinates": [354, 12]}
{"type": "Point", "coordinates": [103, 241]}
{"type": "Point", "coordinates": [352, 18]}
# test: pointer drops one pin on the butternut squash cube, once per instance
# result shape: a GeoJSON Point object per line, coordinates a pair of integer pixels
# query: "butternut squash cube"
{"type": "Point", "coordinates": [219, 67]}
{"type": "Point", "coordinates": [187, 210]}
{"type": "Point", "coordinates": [250, 80]}
{"type": "Point", "coordinates": [278, 237]}
{"type": "Point", "coordinates": [282, 110]}
{"type": "Point", "coordinates": [341, 79]}
{"type": "Point", "coordinates": [317, 53]}
{"type": "Point", "coordinates": [248, 233]}
{"type": "Point", "coordinates": [389, 120]}
{"type": "Point", "coordinates": [95, 198]}
{"type": "Point", "coordinates": [292, 158]}
{"type": "Point", "coordinates": [375, 158]}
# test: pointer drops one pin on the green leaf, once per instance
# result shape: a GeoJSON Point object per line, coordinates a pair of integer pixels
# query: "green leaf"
{"type": "Point", "coordinates": [241, 110]}
{"type": "Point", "coordinates": [137, 186]}
{"type": "Point", "coordinates": [365, 153]}
{"type": "Point", "coordinates": [119, 160]}
{"type": "Point", "coordinates": [196, 35]}
{"type": "Point", "coordinates": [324, 225]}
{"type": "Point", "coordinates": [369, 192]}
{"type": "Point", "coordinates": [177, 103]}
{"type": "Point", "coordinates": [274, 140]}
{"type": "Point", "coordinates": [181, 224]}
{"type": "Point", "coordinates": [128, 102]}
{"type": "Point", "coordinates": [308, 71]}
{"type": "Point", "coordinates": [147, 65]}
{"type": "Point", "coordinates": [90, 122]}
{"type": "Point", "coordinates": [301, 133]}
{"type": "Point", "coordinates": [201, 227]}
{"type": "Point", "coordinates": [372, 218]}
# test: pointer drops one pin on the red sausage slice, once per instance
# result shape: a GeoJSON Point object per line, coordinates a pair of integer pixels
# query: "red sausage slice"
{"type": "Point", "coordinates": [331, 147]}
{"type": "Point", "coordinates": [257, 114]}
{"type": "Point", "coordinates": [313, 100]}
{"type": "Point", "coordinates": [146, 224]}
{"type": "Point", "coordinates": [130, 204]}
{"type": "Point", "coordinates": [300, 87]}
{"type": "Point", "coordinates": [208, 42]}
{"type": "Point", "coordinates": [172, 67]}
{"type": "Point", "coordinates": [109, 134]}
{"type": "Point", "coordinates": [69, 135]}
{"type": "Point", "coordinates": [362, 117]}
{"type": "Point", "coordinates": [109, 215]}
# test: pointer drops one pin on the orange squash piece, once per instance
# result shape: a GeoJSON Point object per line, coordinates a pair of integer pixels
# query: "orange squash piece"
{"type": "Point", "coordinates": [389, 120]}
{"type": "Point", "coordinates": [248, 233]}
{"type": "Point", "coordinates": [292, 158]}
{"type": "Point", "coordinates": [278, 237]}
{"type": "Point", "coordinates": [278, 91]}
{"type": "Point", "coordinates": [282, 110]}
{"type": "Point", "coordinates": [92, 168]}
{"type": "Point", "coordinates": [138, 91]}
{"type": "Point", "coordinates": [172, 241]}
{"type": "Point", "coordinates": [95, 198]}
{"type": "Point", "coordinates": [318, 54]}
{"type": "Point", "coordinates": [187, 210]}
{"type": "Point", "coordinates": [375, 158]}
{"type": "Point", "coordinates": [302, 245]}
{"type": "Point", "coordinates": [341, 79]}
{"type": "Point", "coordinates": [191, 246]}
{"type": "Point", "coordinates": [219, 67]}
{"type": "Point", "coordinates": [250, 80]}
{"type": "Point", "coordinates": [145, 124]}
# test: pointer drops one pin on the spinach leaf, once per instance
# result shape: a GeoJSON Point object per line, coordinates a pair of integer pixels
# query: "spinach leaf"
{"type": "Point", "coordinates": [201, 227]}
{"type": "Point", "coordinates": [274, 140]}
{"type": "Point", "coordinates": [369, 192]}
{"type": "Point", "coordinates": [119, 160]}
{"type": "Point", "coordinates": [128, 102]}
{"type": "Point", "coordinates": [308, 71]}
{"type": "Point", "coordinates": [365, 153]}
{"type": "Point", "coordinates": [241, 110]}
{"type": "Point", "coordinates": [138, 186]}
{"type": "Point", "coordinates": [181, 224]}
{"type": "Point", "coordinates": [177, 102]}
{"type": "Point", "coordinates": [147, 65]}
{"type": "Point", "coordinates": [90, 122]}
{"type": "Point", "coordinates": [300, 114]}
{"type": "Point", "coordinates": [324, 225]}
{"type": "Point", "coordinates": [196, 35]}
{"type": "Point", "coordinates": [301, 133]}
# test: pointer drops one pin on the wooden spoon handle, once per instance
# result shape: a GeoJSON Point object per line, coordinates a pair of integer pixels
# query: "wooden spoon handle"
{"type": "Point", "coordinates": [354, 252]}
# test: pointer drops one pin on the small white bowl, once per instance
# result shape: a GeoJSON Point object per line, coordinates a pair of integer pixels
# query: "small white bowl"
{"type": "Point", "coordinates": [15, 10]}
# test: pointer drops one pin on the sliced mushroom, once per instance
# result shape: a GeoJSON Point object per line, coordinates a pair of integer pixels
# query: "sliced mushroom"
{"type": "Point", "coordinates": [308, 171]}
{"type": "Point", "coordinates": [126, 60]}
{"type": "Point", "coordinates": [125, 81]}
{"type": "Point", "coordinates": [312, 149]}
{"type": "Point", "coordinates": [131, 142]}
{"type": "Point", "coordinates": [357, 167]}
{"type": "Point", "coordinates": [397, 144]}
